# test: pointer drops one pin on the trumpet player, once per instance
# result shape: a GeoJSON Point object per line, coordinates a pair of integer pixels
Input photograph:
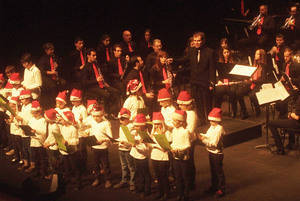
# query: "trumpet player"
{"type": "Point", "coordinates": [291, 27]}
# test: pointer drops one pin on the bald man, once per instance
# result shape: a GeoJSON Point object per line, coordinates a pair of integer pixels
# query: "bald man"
{"type": "Point", "coordinates": [128, 46]}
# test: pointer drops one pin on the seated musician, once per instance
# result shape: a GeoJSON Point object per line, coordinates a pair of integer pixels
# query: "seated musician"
{"type": "Point", "coordinates": [227, 86]}
{"type": "Point", "coordinates": [277, 50]}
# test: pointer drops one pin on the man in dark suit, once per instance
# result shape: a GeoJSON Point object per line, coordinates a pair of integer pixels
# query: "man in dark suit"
{"type": "Point", "coordinates": [128, 45]}
{"type": "Point", "coordinates": [201, 64]}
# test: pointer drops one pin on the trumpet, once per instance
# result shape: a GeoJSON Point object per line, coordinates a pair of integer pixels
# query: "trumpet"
{"type": "Point", "coordinates": [255, 22]}
{"type": "Point", "coordinates": [287, 23]}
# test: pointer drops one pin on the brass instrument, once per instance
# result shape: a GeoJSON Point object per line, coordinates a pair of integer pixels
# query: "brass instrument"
{"type": "Point", "coordinates": [255, 22]}
{"type": "Point", "coordinates": [287, 23]}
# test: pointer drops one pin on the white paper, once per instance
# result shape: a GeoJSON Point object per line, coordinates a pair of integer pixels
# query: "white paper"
{"type": "Point", "coordinates": [267, 86]}
{"type": "Point", "coordinates": [243, 70]}
{"type": "Point", "coordinates": [270, 94]}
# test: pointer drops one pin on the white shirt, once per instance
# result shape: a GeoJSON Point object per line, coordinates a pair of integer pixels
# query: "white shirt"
{"type": "Point", "coordinates": [32, 79]}
{"type": "Point", "coordinates": [14, 126]}
{"type": "Point", "coordinates": [101, 131]}
{"type": "Point", "coordinates": [191, 120]}
{"type": "Point", "coordinates": [167, 114]}
{"type": "Point", "coordinates": [139, 151]}
{"type": "Point", "coordinates": [212, 138]}
{"type": "Point", "coordinates": [123, 138]}
{"type": "Point", "coordinates": [52, 128]}
{"type": "Point", "coordinates": [133, 103]}
{"type": "Point", "coordinates": [85, 127]}
{"type": "Point", "coordinates": [15, 92]}
{"type": "Point", "coordinates": [70, 135]}
{"type": "Point", "coordinates": [157, 152]}
{"type": "Point", "coordinates": [40, 127]}
{"type": "Point", "coordinates": [80, 115]}
{"type": "Point", "coordinates": [25, 113]}
{"type": "Point", "coordinates": [180, 138]}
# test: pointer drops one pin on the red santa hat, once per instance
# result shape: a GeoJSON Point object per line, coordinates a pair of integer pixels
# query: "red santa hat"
{"type": "Point", "coordinates": [97, 110]}
{"type": "Point", "coordinates": [133, 86]}
{"type": "Point", "coordinates": [124, 113]}
{"type": "Point", "coordinates": [8, 86]}
{"type": "Point", "coordinates": [68, 116]}
{"type": "Point", "coordinates": [50, 115]}
{"type": "Point", "coordinates": [163, 95]}
{"type": "Point", "coordinates": [2, 79]}
{"type": "Point", "coordinates": [215, 114]}
{"type": "Point", "coordinates": [25, 94]}
{"type": "Point", "coordinates": [15, 78]}
{"type": "Point", "coordinates": [14, 100]}
{"type": "Point", "coordinates": [140, 120]}
{"type": "Point", "coordinates": [157, 117]}
{"type": "Point", "coordinates": [76, 95]}
{"type": "Point", "coordinates": [184, 98]}
{"type": "Point", "coordinates": [90, 104]}
{"type": "Point", "coordinates": [35, 106]}
{"type": "Point", "coordinates": [179, 115]}
{"type": "Point", "coordinates": [62, 97]}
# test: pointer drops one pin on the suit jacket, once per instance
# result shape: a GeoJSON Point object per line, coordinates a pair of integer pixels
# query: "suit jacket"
{"type": "Point", "coordinates": [125, 50]}
{"type": "Point", "coordinates": [88, 76]}
{"type": "Point", "coordinates": [294, 73]}
{"type": "Point", "coordinates": [268, 26]}
{"type": "Point", "coordinates": [113, 69]}
{"type": "Point", "coordinates": [204, 72]}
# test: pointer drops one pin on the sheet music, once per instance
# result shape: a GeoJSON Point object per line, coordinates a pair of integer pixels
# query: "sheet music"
{"type": "Point", "coordinates": [281, 90]}
{"type": "Point", "coordinates": [243, 70]}
{"type": "Point", "coordinates": [269, 95]}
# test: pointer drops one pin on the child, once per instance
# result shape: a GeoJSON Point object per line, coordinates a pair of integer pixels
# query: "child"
{"type": "Point", "coordinates": [80, 115]}
{"type": "Point", "coordinates": [185, 103]}
{"type": "Point", "coordinates": [181, 145]}
{"type": "Point", "coordinates": [160, 157]}
{"type": "Point", "coordinates": [127, 162]}
{"type": "Point", "coordinates": [167, 109]}
{"type": "Point", "coordinates": [39, 127]}
{"type": "Point", "coordinates": [135, 101]}
{"type": "Point", "coordinates": [213, 141]}
{"type": "Point", "coordinates": [139, 152]}
{"type": "Point", "coordinates": [61, 103]}
{"type": "Point", "coordinates": [70, 159]}
{"type": "Point", "coordinates": [15, 80]}
{"type": "Point", "coordinates": [23, 117]}
{"type": "Point", "coordinates": [101, 129]}
{"type": "Point", "coordinates": [50, 143]}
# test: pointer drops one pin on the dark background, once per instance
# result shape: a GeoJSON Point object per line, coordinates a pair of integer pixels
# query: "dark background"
{"type": "Point", "coordinates": [26, 25]}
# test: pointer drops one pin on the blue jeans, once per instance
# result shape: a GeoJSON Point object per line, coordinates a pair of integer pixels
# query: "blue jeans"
{"type": "Point", "coordinates": [128, 167]}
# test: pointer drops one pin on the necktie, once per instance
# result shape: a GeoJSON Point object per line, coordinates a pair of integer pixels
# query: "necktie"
{"type": "Point", "coordinates": [120, 67]}
{"type": "Point", "coordinates": [97, 75]}
{"type": "Point", "coordinates": [287, 69]}
{"type": "Point", "coordinates": [198, 56]}
{"type": "Point", "coordinates": [52, 68]}
{"type": "Point", "coordinates": [165, 77]}
{"type": "Point", "coordinates": [149, 44]}
{"type": "Point", "coordinates": [258, 31]}
{"type": "Point", "coordinates": [129, 47]}
{"type": "Point", "coordinates": [142, 81]}
{"type": "Point", "coordinates": [276, 55]}
{"type": "Point", "coordinates": [82, 58]}
{"type": "Point", "coordinates": [107, 55]}
{"type": "Point", "coordinates": [242, 8]}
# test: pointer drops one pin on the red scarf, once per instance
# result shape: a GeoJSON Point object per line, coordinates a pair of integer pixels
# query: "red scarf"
{"type": "Point", "coordinates": [107, 55]}
{"type": "Point", "coordinates": [97, 75]}
{"type": "Point", "coordinates": [258, 31]}
{"type": "Point", "coordinates": [143, 84]}
{"type": "Point", "coordinates": [165, 77]}
{"type": "Point", "coordinates": [82, 58]}
{"type": "Point", "coordinates": [52, 68]}
{"type": "Point", "coordinates": [120, 67]}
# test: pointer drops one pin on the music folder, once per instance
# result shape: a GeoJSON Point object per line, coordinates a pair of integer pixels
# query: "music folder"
{"type": "Point", "coordinates": [243, 70]}
{"type": "Point", "coordinates": [27, 130]}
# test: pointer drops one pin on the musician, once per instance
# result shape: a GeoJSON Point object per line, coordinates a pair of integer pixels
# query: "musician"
{"type": "Point", "coordinates": [96, 86]}
{"type": "Point", "coordinates": [291, 122]}
{"type": "Point", "coordinates": [261, 31]}
{"type": "Point", "coordinates": [128, 46]}
{"type": "Point", "coordinates": [291, 27]}
{"type": "Point", "coordinates": [136, 71]}
{"type": "Point", "coordinates": [77, 59]}
{"type": "Point", "coordinates": [225, 85]}
{"type": "Point", "coordinates": [145, 46]}
{"type": "Point", "coordinates": [277, 50]}
{"type": "Point", "coordinates": [202, 74]}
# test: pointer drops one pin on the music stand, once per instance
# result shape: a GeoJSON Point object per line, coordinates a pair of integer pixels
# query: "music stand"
{"type": "Point", "coordinates": [267, 96]}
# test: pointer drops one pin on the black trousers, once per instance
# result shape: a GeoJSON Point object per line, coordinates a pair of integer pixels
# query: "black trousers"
{"type": "Point", "coordinates": [101, 163]}
{"type": "Point", "coordinates": [26, 148]}
{"type": "Point", "coordinates": [216, 171]}
{"type": "Point", "coordinates": [161, 169]}
{"type": "Point", "coordinates": [4, 135]}
{"type": "Point", "coordinates": [39, 157]}
{"type": "Point", "coordinates": [83, 145]}
{"type": "Point", "coordinates": [17, 144]}
{"type": "Point", "coordinates": [143, 178]}
{"type": "Point", "coordinates": [53, 161]}
{"type": "Point", "coordinates": [182, 174]}
{"type": "Point", "coordinates": [71, 168]}
{"type": "Point", "coordinates": [203, 99]}
{"type": "Point", "coordinates": [283, 123]}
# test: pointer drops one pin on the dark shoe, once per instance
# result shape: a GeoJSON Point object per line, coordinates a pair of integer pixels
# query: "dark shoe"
{"type": "Point", "coordinates": [280, 152]}
{"type": "Point", "coordinates": [211, 190]}
{"type": "Point", "coordinates": [290, 146]}
{"type": "Point", "coordinates": [219, 193]}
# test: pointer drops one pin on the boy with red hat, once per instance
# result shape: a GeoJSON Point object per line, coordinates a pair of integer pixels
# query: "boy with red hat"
{"type": "Point", "coordinates": [185, 102]}
{"type": "Point", "coordinates": [139, 152]}
{"type": "Point", "coordinates": [15, 81]}
{"type": "Point", "coordinates": [70, 159]}
{"type": "Point", "coordinates": [80, 115]}
{"type": "Point", "coordinates": [101, 129]}
{"type": "Point", "coordinates": [127, 162]}
{"type": "Point", "coordinates": [181, 144]}
{"type": "Point", "coordinates": [213, 141]}
{"type": "Point", "coordinates": [61, 104]}
{"type": "Point", "coordinates": [159, 156]}
{"type": "Point", "coordinates": [2, 82]}
{"type": "Point", "coordinates": [167, 109]}
{"type": "Point", "coordinates": [38, 125]}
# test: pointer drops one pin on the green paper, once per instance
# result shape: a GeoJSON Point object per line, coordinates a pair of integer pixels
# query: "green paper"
{"type": "Point", "coordinates": [128, 135]}
{"type": "Point", "coordinates": [59, 140]}
{"type": "Point", "coordinates": [4, 104]}
{"type": "Point", "coordinates": [162, 141]}
{"type": "Point", "coordinates": [146, 138]}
